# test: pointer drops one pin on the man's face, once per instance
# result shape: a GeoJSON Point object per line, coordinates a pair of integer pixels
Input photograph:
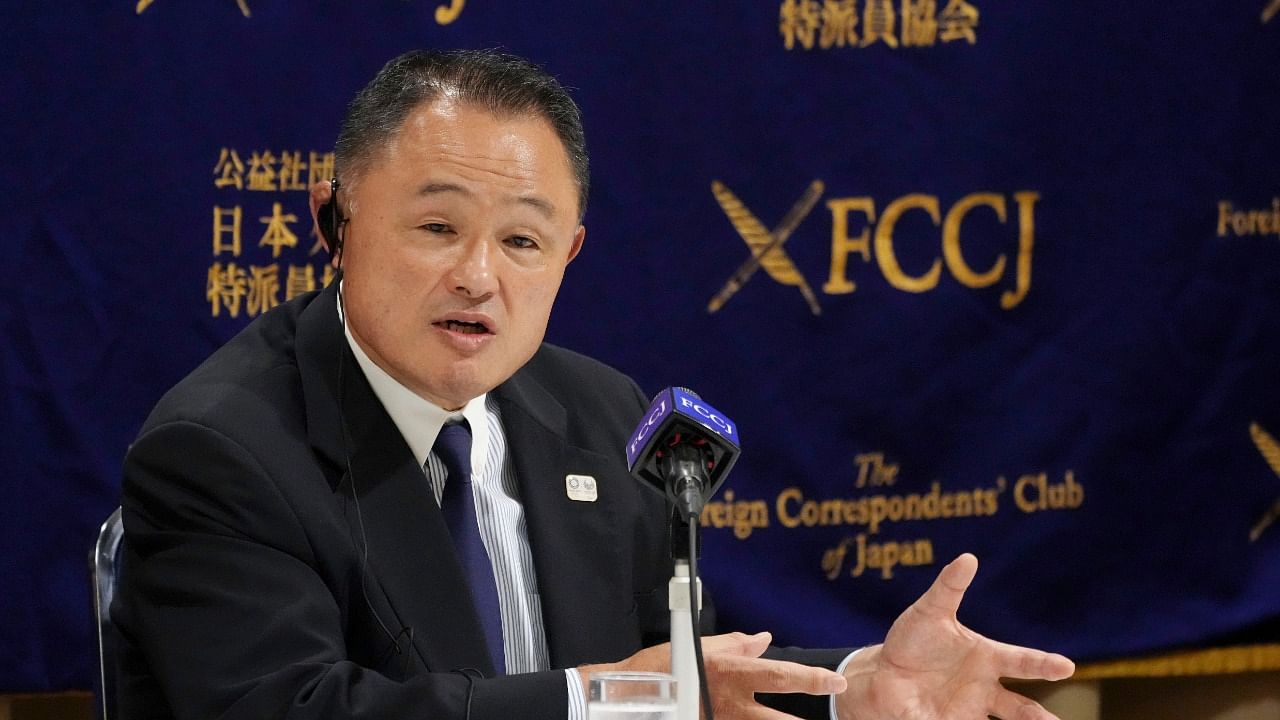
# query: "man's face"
{"type": "Point", "coordinates": [459, 235]}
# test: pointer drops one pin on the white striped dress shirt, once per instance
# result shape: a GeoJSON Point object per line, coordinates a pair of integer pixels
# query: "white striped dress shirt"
{"type": "Point", "coordinates": [502, 528]}
{"type": "Point", "coordinates": [498, 510]}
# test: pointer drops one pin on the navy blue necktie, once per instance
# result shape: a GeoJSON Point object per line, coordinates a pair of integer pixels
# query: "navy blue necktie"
{"type": "Point", "coordinates": [453, 447]}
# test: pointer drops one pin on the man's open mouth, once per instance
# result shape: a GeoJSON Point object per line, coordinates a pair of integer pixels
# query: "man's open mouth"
{"type": "Point", "coordinates": [473, 328]}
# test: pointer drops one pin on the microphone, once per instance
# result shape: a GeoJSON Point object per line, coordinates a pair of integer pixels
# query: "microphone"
{"type": "Point", "coordinates": [683, 449]}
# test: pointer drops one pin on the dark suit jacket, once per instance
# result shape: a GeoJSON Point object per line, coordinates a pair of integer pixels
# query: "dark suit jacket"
{"type": "Point", "coordinates": [284, 556]}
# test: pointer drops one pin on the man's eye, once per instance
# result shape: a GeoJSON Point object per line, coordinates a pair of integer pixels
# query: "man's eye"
{"type": "Point", "coordinates": [521, 241]}
{"type": "Point", "coordinates": [436, 227]}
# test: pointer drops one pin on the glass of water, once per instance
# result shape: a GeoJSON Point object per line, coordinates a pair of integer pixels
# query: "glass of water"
{"type": "Point", "coordinates": [631, 696]}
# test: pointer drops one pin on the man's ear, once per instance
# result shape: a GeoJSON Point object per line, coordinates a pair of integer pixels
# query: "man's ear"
{"type": "Point", "coordinates": [577, 243]}
{"type": "Point", "coordinates": [321, 217]}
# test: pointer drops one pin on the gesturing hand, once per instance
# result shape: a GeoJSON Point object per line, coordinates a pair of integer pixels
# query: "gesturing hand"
{"type": "Point", "coordinates": [736, 672]}
{"type": "Point", "coordinates": [931, 667]}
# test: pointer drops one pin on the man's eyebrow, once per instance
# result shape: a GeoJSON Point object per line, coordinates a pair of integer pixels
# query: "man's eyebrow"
{"type": "Point", "coordinates": [442, 187]}
{"type": "Point", "coordinates": [541, 204]}
{"type": "Point", "coordinates": [537, 202]}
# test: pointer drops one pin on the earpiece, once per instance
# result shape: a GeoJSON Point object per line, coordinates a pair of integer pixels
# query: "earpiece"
{"type": "Point", "coordinates": [330, 221]}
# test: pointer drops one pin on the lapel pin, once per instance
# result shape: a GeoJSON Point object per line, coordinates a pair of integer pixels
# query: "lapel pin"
{"type": "Point", "coordinates": [580, 487]}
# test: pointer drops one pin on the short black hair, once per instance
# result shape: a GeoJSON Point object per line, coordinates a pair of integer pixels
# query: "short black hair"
{"type": "Point", "coordinates": [499, 82]}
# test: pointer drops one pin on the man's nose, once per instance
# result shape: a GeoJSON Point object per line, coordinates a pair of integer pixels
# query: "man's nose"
{"type": "Point", "coordinates": [473, 273]}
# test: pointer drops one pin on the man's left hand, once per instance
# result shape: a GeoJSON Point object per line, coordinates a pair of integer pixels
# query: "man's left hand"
{"type": "Point", "coordinates": [931, 667]}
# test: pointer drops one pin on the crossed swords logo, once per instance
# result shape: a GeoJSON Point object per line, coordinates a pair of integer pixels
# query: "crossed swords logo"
{"type": "Point", "coordinates": [766, 246]}
{"type": "Point", "coordinates": [1270, 450]}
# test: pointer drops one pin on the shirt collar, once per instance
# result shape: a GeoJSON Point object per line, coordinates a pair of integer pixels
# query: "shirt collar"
{"type": "Point", "coordinates": [417, 419]}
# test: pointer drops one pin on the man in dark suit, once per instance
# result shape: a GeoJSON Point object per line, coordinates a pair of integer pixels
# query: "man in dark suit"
{"type": "Point", "coordinates": [293, 546]}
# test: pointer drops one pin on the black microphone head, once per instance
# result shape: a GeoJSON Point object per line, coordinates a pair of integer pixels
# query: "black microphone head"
{"type": "Point", "coordinates": [677, 417]}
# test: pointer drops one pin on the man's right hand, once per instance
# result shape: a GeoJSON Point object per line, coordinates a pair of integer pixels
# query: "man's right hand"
{"type": "Point", "coordinates": [735, 673]}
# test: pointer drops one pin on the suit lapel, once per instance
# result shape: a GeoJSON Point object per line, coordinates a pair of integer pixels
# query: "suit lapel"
{"type": "Point", "coordinates": [584, 576]}
{"type": "Point", "coordinates": [410, 554]}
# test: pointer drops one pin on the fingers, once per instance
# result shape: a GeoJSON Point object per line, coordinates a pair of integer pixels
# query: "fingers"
{"type": "Point", "coordinates": [736, 672]}
{"type": "Point", "coordinates": [753, 711]}
{"type": "Point", "coordinates": [1028, 664]}
{"type": "Point", "coordinates": [1008, 705]}
{"type": "Point", "coordinates": [658, 657]}
{"type": "Point", "coordinates": [753, 675]}
{"type": "Point", "coordinates": [650, 659]}
{"type": "Point", "coordinates": [948, 588]}
{"type": "Point", "coordinates": [737, 644]}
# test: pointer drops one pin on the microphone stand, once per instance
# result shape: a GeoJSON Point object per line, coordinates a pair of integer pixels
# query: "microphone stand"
{"type": "Point", "coordinates": [683, 659]}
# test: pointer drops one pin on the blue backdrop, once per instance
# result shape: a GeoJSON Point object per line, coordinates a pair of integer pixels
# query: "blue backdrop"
{"type": "Point", "coordinates": [1028, 303]}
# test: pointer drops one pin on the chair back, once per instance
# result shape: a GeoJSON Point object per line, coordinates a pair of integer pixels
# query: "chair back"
{"type": "Point", "coordinates": [103, 568]}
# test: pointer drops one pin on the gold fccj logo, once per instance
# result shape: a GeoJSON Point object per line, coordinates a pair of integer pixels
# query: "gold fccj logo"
{"type": "Point", "coordinates": [862, 230]}
{"type": "Point", "coordinates": [1270, 450]}
{"type": "Point", "coordinates": [1273, 7]}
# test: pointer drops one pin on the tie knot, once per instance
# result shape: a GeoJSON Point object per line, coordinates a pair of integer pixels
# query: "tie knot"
{"type": "Point", "coordinates": [453, 447]}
